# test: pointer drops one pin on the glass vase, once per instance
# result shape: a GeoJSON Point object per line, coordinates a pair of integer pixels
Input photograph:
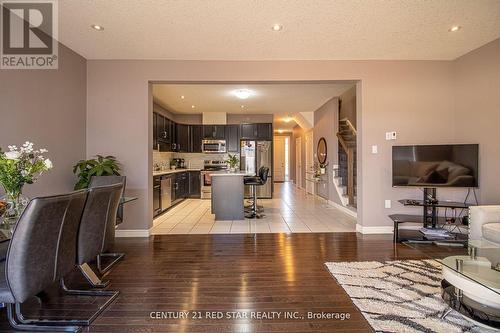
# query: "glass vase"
{"type": "Point", "coordinates": [16, 203]}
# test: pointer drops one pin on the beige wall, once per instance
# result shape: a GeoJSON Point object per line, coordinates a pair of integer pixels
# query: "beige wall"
{"type": "Point", "coordinates": [249, 118]}
{"type": "Point", "coordinates": [48, 108]}
{"type": "Point", "coordinates": [326, 126]}
{"type": "Point", "coordinates": [298, 132]}
{"type": "Point", "coordinates": [414, 98]}
{"type": "Point", "coordinates": [477, 80]}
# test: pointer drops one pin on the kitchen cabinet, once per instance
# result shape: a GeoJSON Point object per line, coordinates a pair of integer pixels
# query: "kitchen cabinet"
{"type": "Point", "coordinates": [196, 136]}
{"type": "Point", "coordinates": [257, 131]}
{"type": "Point", "coordinates": [182, 142]}
{"type": "Point", "coordinates": [214, 132]}
{"type": "Point", "coordinates": [163, 132]}
{"type": "Point", "coordinates": [155, 131]}
{"type": "Point", "coordinates": [181, 186]}
{"type": "Point", "coordinates": [232, 138]}
{"type": "Point", "coordinates": [195, 184]}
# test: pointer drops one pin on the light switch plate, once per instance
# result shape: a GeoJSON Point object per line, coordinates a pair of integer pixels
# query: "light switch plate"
{"type": "Point", "coordinates": [387, 203]}
{"type": "Point", "coordinates": [374, 149]}
{"type": "Point", "coordinates": [390, 136]}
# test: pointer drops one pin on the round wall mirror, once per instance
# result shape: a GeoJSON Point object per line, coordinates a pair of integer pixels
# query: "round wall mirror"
{"type": "Point", "coordinates": [321, 151]}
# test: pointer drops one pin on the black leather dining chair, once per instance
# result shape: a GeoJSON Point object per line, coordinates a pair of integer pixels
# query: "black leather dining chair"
{"type": "Point", "coordinates": [97, 228]}
{"type": "Point", "coordinates": [97, 181]}
{"type": "Point", "coordinates": [101, 205]}
{"type": "Point", "coordinates": [259, 180]}
{"type": "Point", "coordinates": [42, 251]}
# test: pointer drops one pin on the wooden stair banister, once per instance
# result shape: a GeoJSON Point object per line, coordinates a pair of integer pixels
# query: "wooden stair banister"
{"type": "Point", "coordinates": [349, 149]}
{"type": "Point", "coordinates": [351, 126]}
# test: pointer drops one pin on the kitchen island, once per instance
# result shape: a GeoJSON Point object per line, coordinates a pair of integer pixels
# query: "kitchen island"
{"type": "Point", "coordinates": [227, 195]}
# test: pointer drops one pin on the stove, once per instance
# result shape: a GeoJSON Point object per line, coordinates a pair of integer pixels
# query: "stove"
{"type": "Point", "coordinates": [206, 181]}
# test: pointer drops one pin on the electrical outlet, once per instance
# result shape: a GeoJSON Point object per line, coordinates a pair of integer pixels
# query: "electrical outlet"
{"type": "Point", "coordinates": [393, 135]}
{"type": "Point", "coordinates": [387, 203]}
{"type": "Point", "coordinates": [374, 149]}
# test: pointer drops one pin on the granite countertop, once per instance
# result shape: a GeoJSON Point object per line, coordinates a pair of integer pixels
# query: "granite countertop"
{"type": "Point", "coordinates": [227, 173]}
{"type": "Point", "coordinates": [168, 172]}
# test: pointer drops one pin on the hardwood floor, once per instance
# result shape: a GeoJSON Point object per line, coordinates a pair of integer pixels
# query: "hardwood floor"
{"type": "Point", "coordinates": [239, 272]}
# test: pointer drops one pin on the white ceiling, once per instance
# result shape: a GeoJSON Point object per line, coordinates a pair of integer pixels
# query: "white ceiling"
{"type": "Point", "coordinates": [282, 100]}
{"type": "Point", "coordinates": [241, 29]}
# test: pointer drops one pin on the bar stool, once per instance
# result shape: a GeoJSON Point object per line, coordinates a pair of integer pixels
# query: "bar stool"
{"type": "Point", "coordinates": [259, 180]}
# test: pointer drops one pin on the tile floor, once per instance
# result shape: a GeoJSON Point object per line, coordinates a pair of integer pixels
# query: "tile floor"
{"type": "Point", "coordinates": [292, 210]}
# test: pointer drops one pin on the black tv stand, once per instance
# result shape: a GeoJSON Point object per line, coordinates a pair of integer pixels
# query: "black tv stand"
{"type": "Point", "coordinates": [429, 217]}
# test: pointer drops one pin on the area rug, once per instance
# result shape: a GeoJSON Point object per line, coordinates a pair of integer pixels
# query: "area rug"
{"type": "Point", "coordinates": [399, 296]}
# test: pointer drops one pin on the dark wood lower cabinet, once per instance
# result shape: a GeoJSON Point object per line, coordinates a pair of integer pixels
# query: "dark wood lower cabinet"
{"type": "Point", "coordinates": [194, 184]}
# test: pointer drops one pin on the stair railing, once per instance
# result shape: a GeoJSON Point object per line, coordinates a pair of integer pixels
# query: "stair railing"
{"type": "Point", "coordinates": [350, 166]}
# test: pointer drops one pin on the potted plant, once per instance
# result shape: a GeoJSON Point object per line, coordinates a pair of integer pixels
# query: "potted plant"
{"type": "Point", "coordinates": [20, 166]}
{"type": "Point", "coordinates": [233, 162]}
{"type": "Point", "coordinates": [173, 164]}
{"type": "Point", "coordinates": [99, 166]}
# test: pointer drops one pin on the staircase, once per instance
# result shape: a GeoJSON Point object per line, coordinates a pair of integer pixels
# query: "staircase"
{"type": "Point", "coordinates": [345, 174]}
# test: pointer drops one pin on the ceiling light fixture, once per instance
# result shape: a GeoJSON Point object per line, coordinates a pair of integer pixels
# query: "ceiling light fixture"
{"type": "Point", "coordinates": [182, 97]}
{"type": "Point", "coordinates": [192, 106]}
{"type": "Point", "coordinates": [277, 27]}
{"type": "Point", "coordinates": [455, 28]}
{"type": "Point", "coordinates": [287, 119]}
{"type": "Point", "coordinates": [97, 27]}
{"type": "Point", "coordinates": [242, 106]}
{"type": "Point", "coordinates": [280, 131]}
{"type": "Point", "coordinates": [242, 93]}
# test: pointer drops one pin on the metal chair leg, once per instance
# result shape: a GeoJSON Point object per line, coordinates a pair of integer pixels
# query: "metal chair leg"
{"type": "Point", "coordinates": [92, 277]}
{"type": "Point", "coordinates": [43, 326]}
{"type": "Point", "coordinates": [101, 293]}
{"type": "Point", "coordinates": [117, 256]}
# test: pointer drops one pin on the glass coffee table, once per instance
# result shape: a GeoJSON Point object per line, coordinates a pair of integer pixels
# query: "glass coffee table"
{"type": "Point", "coordinates": [471, 283]}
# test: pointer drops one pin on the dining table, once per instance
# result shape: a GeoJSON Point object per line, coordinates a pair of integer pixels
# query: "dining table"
{"type": "Point", "coordinates": [7, 228]}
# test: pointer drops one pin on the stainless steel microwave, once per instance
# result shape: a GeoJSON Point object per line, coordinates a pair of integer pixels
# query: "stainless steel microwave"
{"type": "Point", "coordinates": [213, 146]}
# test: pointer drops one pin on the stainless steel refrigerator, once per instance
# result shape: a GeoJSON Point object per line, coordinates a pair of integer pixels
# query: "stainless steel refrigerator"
{"type": "Point", "coordinates": [253, 155]}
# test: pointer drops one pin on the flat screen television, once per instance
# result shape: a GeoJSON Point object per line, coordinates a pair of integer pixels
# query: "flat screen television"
{"type": "Point", "coordinates": [435, 165]}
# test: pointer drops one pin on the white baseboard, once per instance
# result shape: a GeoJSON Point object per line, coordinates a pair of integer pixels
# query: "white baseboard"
{"type": "Point", "coordinates": [344, 209]}
{"type": "Point", "coordinates": [383, 229]}
{"type": "Point", "coordinates": [132, 233]}
{"type": "Point", "coordinates": [374, 230]}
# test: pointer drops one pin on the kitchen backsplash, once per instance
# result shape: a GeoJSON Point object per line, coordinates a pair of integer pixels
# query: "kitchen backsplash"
{"type": "Point", "coordinates": [193, 160]}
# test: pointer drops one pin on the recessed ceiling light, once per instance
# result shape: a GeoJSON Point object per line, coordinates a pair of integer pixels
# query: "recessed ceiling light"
{"type": "Point", "coordinates": [287, 119]}
{"type": "Point", "coordinates": [242, 106]}
{"type": "Point", "coordinates": [97, 27]}
{"type": "Point", "coordinates": [192, 106]}
{"type": "Point", "coordinates": [277, 27]}
{"type": "Point", "coordinates": [455, 28]}
{"type": "Point", "coordinates": [280, 131]}
{"type": "Point", "coordinates": [182, 97]}
{"type": "Point", "coordinates": [242, 93]}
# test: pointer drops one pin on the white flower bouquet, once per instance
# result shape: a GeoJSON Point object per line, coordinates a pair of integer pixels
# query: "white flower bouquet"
{"type": "Point", "coordinates": [20, 166]}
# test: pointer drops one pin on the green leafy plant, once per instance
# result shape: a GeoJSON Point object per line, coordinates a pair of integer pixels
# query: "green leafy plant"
{"type": "Point", "coordinates": [99, 166]}
{"type": "Point", "coordinates": [232, 161]}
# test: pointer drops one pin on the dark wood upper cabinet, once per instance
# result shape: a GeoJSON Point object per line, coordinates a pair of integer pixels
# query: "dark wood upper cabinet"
{"type": "Point", "coordinates": [182, 142]}
{"type": "Point", "coordinates": [163, 132]}
{"type": "Point", "coordinates": [214, 132]}
{"type": "Point", "coordinates": [233, 138]}
{"type": "Point", "coordinates": [155, 131]}
{"type": "Point", "coordinates": [196, 132]}
{"type": "Point", "coordinates": [265, 131]}
{"type": "Point", "coordinates": [257, 131]}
